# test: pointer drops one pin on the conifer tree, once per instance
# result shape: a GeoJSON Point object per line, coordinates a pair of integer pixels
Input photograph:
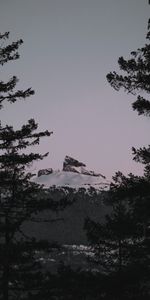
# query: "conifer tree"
{"type": "Point", "coordinates": [137, 82]}
{"type": "Point", "coordinates": [20, 196]}
{"type": "Point", "coordinates": [117, 243]}
{"type": "Point", "coordinates": [122, 244]}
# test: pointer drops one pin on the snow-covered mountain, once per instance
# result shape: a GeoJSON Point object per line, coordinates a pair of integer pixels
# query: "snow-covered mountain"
{"type": "Point", "coordinates": [85, 192]}
{"type": "Point", "coordinates": [74, 175]}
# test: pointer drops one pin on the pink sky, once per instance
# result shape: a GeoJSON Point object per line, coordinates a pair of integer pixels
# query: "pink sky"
{"type": "Point", "coordinates": [69, 47]}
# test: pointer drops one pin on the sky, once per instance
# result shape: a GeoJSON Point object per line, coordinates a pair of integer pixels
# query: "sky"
{"type": "Point", "coordinates": [69, 48]}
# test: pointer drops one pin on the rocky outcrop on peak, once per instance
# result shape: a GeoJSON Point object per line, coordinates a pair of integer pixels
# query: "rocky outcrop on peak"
{"type": "Point", "coordinates": [73, 165]}
{"type": "Point", "coordinates": [45, 172]}
{"type": "Point", "coordinates": [71, 169]}
{"type": "Point", "coordinates": [91, 173]}
{"type": "Point", "coordinates": [69, 163]}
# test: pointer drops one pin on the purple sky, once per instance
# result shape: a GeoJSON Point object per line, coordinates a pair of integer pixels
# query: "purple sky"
{"type": "Point", "coordinates": [69, 47]}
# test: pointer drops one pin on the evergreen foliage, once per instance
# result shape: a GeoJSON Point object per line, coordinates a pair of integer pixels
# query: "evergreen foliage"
{"type": "Point", "coordinates": [122, 243]}
{"type": "Point", "coordinates": [20, 196]}
{"type": "Point", "coordinates": [137, 82]}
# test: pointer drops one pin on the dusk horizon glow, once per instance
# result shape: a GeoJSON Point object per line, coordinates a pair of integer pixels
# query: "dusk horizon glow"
{"type": "Point", "coordinates": [69, 48]}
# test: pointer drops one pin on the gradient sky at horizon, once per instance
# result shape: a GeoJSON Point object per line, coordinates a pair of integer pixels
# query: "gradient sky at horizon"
{"type": "Point", "coordinates": [69, 47]}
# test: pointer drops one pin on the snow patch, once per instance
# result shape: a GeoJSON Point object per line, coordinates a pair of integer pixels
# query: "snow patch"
{"type": "Point", "coordinates": [72, 179]}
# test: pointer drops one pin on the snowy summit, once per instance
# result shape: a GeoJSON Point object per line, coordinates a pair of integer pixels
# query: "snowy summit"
{"type": "Point", "coordinates": [74, 174]}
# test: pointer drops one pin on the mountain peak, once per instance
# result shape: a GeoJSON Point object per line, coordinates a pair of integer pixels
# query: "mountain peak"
{"type": "Point", "coordinates": [71, 164]}
{"type": "Point", "coordinates": [73, 174]}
